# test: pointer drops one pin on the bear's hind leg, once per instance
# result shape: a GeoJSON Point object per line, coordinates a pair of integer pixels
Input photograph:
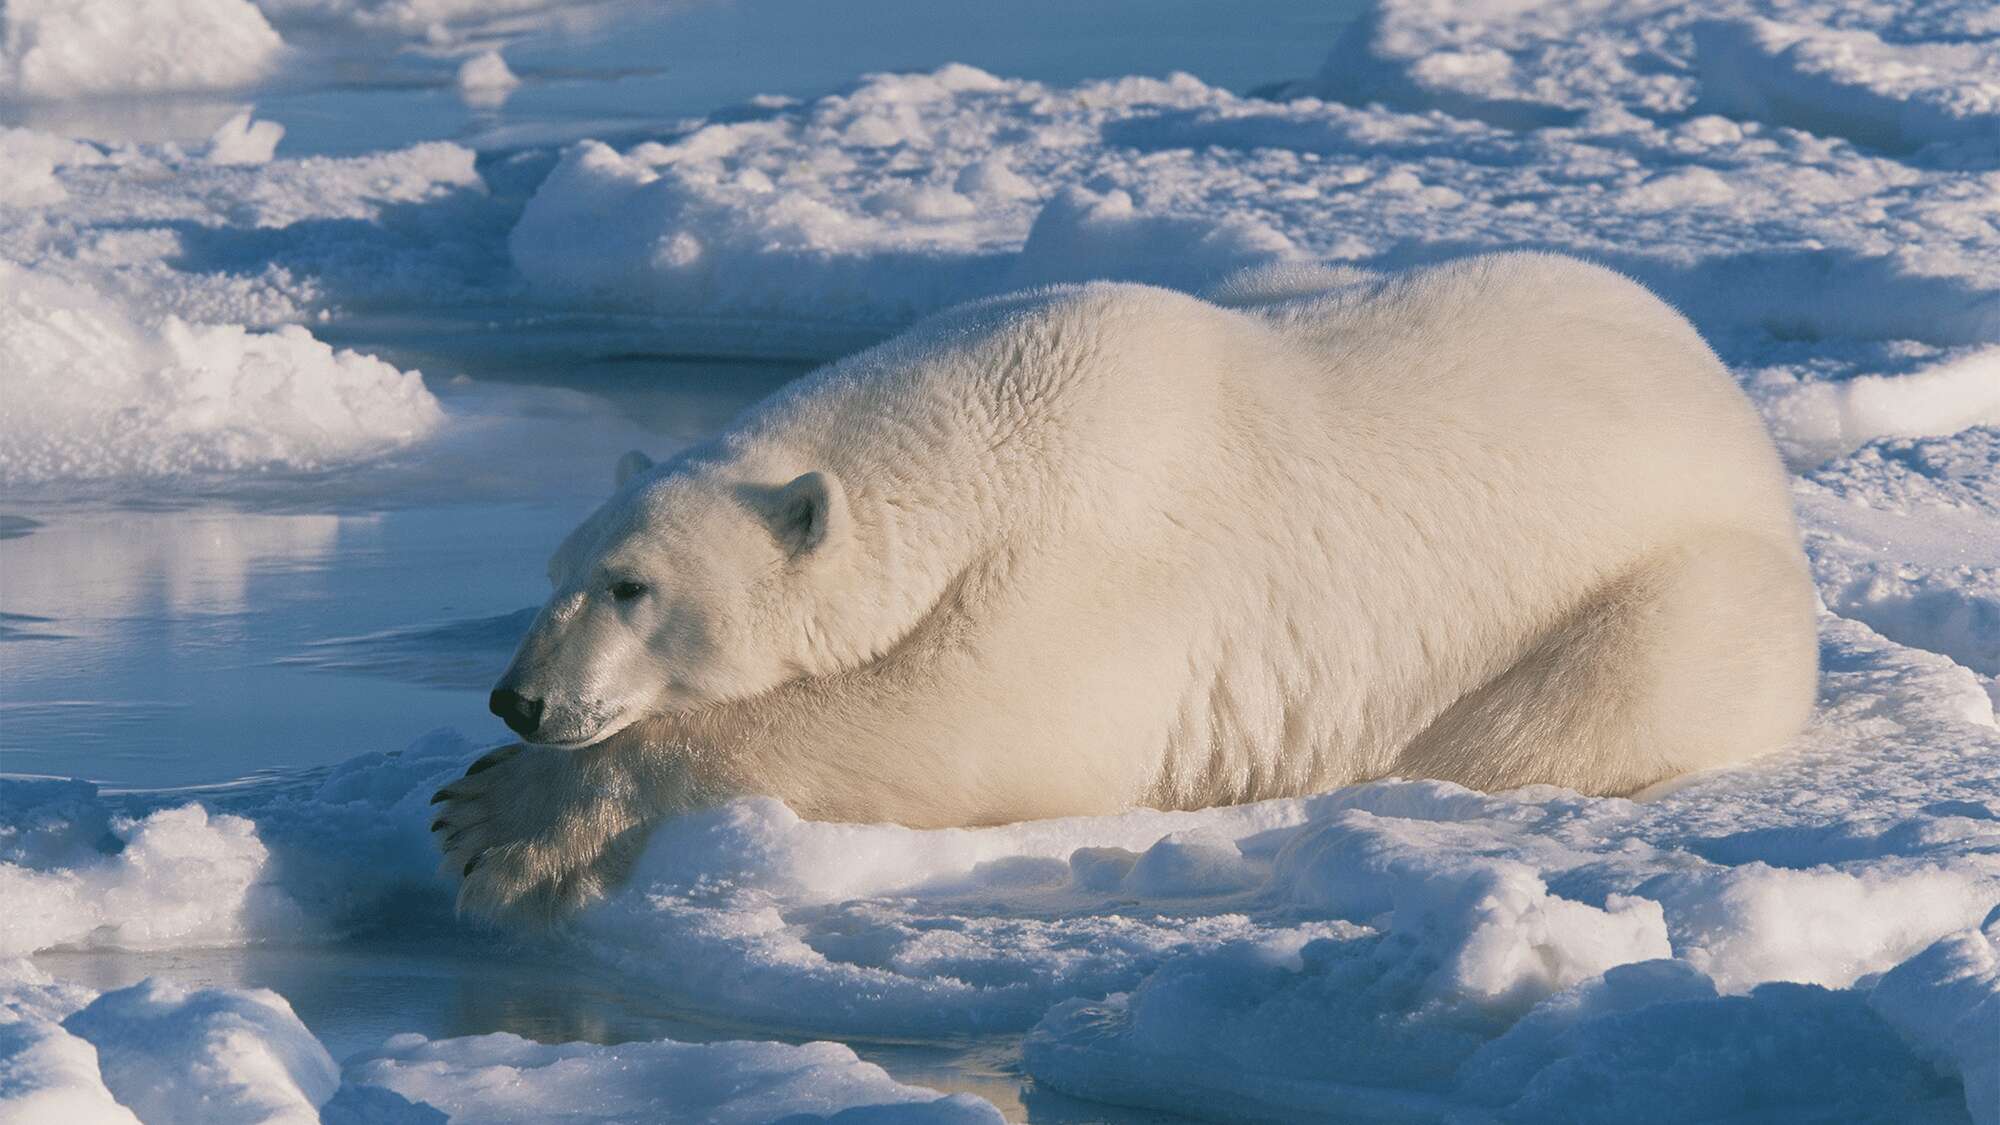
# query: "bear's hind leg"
{"type": "Point", "coordinates": [1704, 655]}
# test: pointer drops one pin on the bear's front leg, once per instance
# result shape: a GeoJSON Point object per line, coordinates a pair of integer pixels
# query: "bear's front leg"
{"type": "Point", "coordinates": [533, 832]}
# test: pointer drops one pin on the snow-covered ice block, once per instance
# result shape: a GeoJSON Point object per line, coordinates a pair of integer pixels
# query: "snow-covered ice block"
{"type": "Point", "coordinates": [1946, 1001]}
{"type": "Point", "coordinates": [179, 878]}
{"type": "Point", "coordinates": [876, 205]}
{"type": "Point", "coordinates": [1645, 1042]}
{"type": "Point", "coordinates": [485, 81]}
{"type": "Point", "coordinates": [1756, 923]}
{"type": "Point", "coordinates": [159, 231]}
{"type": "Point", "coordinates": [95, 391]}
{"type": "Point", "coordinates": [177, 1056]}
{"type": "Point", "coordinates": [66, 48]}
{"type": "Point", "coordinates": [241, 140]}
{"type": "Point", "coordinates": [46, 1072]}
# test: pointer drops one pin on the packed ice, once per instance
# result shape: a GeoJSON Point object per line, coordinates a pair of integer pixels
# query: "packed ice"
{"type": "Point", "coordinates": [1816, 935]}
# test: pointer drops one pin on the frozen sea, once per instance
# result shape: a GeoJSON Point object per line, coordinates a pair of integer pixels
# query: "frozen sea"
{"type": "Point", "coordinates": [322, 320]}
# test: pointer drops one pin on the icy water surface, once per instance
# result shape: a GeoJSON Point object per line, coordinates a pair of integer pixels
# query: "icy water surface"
{"type": "Point", "coordinates": [639, 73]}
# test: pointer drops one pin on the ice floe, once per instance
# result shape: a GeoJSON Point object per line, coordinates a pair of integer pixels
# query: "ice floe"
{"type": "Point", "coordinates": [68, 48]}
{"type": "Point", "coordinates": [96, 391]}
{"type": "Point", "coordinates": [484, 80]}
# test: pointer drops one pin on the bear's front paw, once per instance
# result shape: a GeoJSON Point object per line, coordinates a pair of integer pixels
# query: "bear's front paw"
{"type": "Point", "coordinates": [522, 843]}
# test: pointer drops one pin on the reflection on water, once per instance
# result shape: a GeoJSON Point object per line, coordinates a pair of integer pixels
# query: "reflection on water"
{"type": "Point", "coordinates": [187, 119]}
{"type": "Point", "coordinates": [110, 565]}
{"type": "Point", "coordinates": [145, 647]}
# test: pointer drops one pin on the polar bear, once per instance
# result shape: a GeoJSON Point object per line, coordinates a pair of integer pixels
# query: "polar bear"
{"type": "Point", "coordinates": [1501, 521]}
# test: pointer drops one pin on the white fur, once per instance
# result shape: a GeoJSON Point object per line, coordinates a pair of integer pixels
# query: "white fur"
{"type": "Point", "coordinates": [1502, 521]}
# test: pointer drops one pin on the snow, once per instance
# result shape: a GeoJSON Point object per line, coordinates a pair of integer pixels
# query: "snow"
{"type": "Point", "coordinates": [1815, 182]}
{"type": "Point", "coordinates": [785, 212]}
{"type": "Point", "coordinates": [28, 161]}
{"type": "Point", "coordinates": [485, 81]}
{"type": "Point", "coordinates": [216, 1056]}
{"type": "Point", "coordinates": [1946, 1002]}
{"type": "Point", "coordinates": [241, 140]}
{"type": "Point", "coordinates": [1818, 421]}
{"type": "Point", "coordinates": [1851, 83]}
{"type": "Point", "coordinates": [97, 391]}
{"type": "Point", "coordinates": [66, 48]}
{"type": "Point", "coordinates": [179, 878]}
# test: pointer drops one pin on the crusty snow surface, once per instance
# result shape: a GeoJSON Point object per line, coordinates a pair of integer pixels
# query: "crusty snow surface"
{"type": "Point", "coordinates": [1814, 936]}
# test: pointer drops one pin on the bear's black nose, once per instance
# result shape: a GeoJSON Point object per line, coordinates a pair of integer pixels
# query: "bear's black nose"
{"type": "Point", "coordinates": [521, 715]}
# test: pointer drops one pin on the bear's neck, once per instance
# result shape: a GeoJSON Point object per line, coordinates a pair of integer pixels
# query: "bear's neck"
{"type": "Point", "coordinates": [947, 473]}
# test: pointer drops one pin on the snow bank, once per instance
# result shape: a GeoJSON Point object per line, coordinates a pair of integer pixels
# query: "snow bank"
{"type": "Point", "coordinates": [871, 207]}
{"type": "Point", "coordinates": [233, 235]}
{"type": "Point", "coordinates": [179, 877]}
{"type": "Point", "coordinates": [96, 392]}
{"type": "Point", "coordinates": [213, 1056]}
{"type": "Point", "coordinates": [28, 162]}
{"type": "Point", "coordinates": [875, 205]}
{"type": "Point", "coordinates": [1850, 83]}
{"type": "Point", "coordinates": [1924, 71]}
{"type": "Point", "coordinates": [1937, 499]}
{"type": "Point", "coordinates": [1816, 420]}
{"type": "Point", "coordinates": [67, 48]}
{"type": "Point", "coordinates": [1946, 1001]}
{"type": "Point", "coordinates": [134, 282]}
{"type": "Point", "coordinates": [46, 1073]}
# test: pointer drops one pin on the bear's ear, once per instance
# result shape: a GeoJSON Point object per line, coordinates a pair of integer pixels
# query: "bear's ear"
{"type": "Point", "coordinates": [809, 513]}
{"type": "Point", "coordinates": [629, 466]}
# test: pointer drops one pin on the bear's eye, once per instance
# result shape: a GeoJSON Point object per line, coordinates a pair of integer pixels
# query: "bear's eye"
{"type": "Point", "coordinates": [626, 591]}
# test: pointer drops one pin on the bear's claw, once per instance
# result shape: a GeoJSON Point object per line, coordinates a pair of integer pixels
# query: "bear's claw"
{"type": "Point", "coordinates": [441, 795]}
{"type": "Point", "coordinates": [437, 824]}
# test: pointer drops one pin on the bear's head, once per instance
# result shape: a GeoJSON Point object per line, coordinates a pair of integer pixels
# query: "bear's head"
{"type": "Point", "coordinates": [693, 585]}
